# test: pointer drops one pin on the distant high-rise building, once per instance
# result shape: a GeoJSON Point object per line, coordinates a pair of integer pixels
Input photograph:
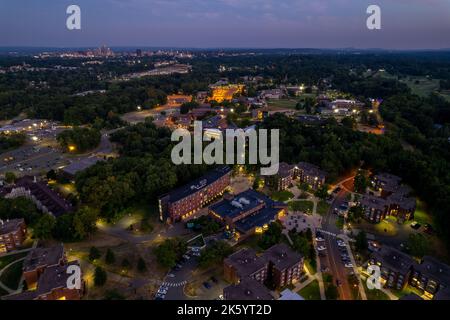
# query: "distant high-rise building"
{"type": "Point", "coordinates": [138, 52]}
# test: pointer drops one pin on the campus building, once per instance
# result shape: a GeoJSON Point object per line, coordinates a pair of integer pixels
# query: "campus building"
{"type": "Point", "coordinates": [386, 196]}
{"type": "Point", "coordinates": [52, 285]}
{"type": "Point", "coordinates": [45, 270]}
{"type": "Point", "coordinates": [303, 171]}
{"type": "Point", "coordinates": [45, 199]}
{"type": "Point", "coordinates": [430, 276]}
{"type": "Point", "coordinates": [247, 213]}
{"type": "Point", "coordinates": [12, 234]}
{"type": "Point", "coordinates": [247, 289]}
{"type": "Point", "coordinates": [395, 267]}
{"type": "Point", "coordinates": [278, 267]}
{"type": "Point", "coordinates": [181, 203]}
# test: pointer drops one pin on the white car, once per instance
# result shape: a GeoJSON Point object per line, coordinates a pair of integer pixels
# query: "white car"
{"type": "Point", "coordinates": [186, 257]}
{"type": "Point", "coordinates": [341, 243]}
{"type": "Point", "coordinates": [349, 265]}
{"type": "Point", "coordinates": [318, 239]}
{"type": "Point", "coordinates": [321, 248]}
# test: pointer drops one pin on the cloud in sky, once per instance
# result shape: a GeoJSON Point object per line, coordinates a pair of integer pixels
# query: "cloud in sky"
{"type": "Point", "coordinates": [227, 23]}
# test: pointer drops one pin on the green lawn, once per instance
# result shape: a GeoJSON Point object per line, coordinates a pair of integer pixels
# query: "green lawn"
{"type": "Point", "coordinates": [283, 103]}
{"type": "Point", "coordinates": [375, 294]}
{"type": "Point", "coordinates": [4, 261]}
{"type": "Point", "coordinates": [322, 207]}
{"type": "Point", "coordinates": [303, 206]}
{"type": "Point", "coordinates": [340, 222]}
{"type": "Point", "coordinates": [311, 291]}
{"type": "Point", "coordinates": [12, 275]}
{"type": "Point", "coordinates": [421, 215]}
{"type": "Point", "coordinates": [282, 195]}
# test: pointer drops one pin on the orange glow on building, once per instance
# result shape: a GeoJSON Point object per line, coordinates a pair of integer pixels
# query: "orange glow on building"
{"type": "Point", "coordinates": [222, 93]}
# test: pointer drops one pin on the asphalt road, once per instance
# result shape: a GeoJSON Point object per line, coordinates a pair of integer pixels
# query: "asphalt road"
{"type": "Point", "coordinates": [333, 258]}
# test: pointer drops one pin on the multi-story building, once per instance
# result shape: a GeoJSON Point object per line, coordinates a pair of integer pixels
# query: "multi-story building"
{"type": "Point", "coordinates": [181, 203]}
{"type": "Point", "coordinates": [310, 174]}
{"type": "Point", "coordinates": [395, 266]}
{"type": "Point", "coordinates": [285, 265]}
{"type": "Point", "coordinates": [388, 197]}
{"type": "Point", "coordinates": [245, 264]}
{"type": "Point", "coordinates": [278, 267]}
{"type": "Point", "coordinates": [39, 259]}
{"type": "Point", "coordinates": [45, 199]}
{"type": "Point", "coordinates": [430, 276]}
{"type": "Point", "coordinates": [247, 289]}
{"type": "Point", "coordinates": [12, 234]}
{"type": "Point", "coordinates": [283, 179]}
{"type": "Point", "coordinates": [53, 284]}
{"type": "Point", "coordinates": [247, 213]}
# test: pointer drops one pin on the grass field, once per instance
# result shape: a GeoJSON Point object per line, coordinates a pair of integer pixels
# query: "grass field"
{"type": "Point", "coordinates": [282, 195]}
{"type": "Point", "coordinates": [421, 215]}
{"type": "Point", "coordinates": [12, 275]}
{"type": "Point", "coordinates": [4, 261]}
{"type": "Point", "coordinates": [283, 103]}
{"type": "Point", "coordinates": [311, 291]}
{"type": "Point", "coordinates": [423, 86]}
{"type": "Point", "coordinates": [375, 294]}
{"type": "Point", "coordinates": [322, 207]}
{"type": "Point", "coordinates": [303, 206]}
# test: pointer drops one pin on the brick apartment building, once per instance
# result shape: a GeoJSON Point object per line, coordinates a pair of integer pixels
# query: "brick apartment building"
{"type": "Point", "coordinates": [303, 171]}
{"type": "Point", "coordinates": [181, 203]}
{"type": "Point", "coordinates": [278, 266]}
{"type": "Point", "coordinates": [247, 213]}
{"type": "Point", "coordinates": [430, 276]}
{"type": "Point", "coordinates": [395, 266]}
{"type": "Point", "coordinates": [247, 289]}
{"type": "Point", "coordinates": [388, 197]}
{"type": "Point", "coordinates": [39, 259]}
{"type": "Point", "coordinates": [12, 234]}
{"type": "Point", "coordinates": [46, 274]}
{"type": "Point", "coordinates": [245, 264]}
{"type": "Point", "coordinates": [285, 265]}
{"type": "Point", "coordinates": [45, 199]}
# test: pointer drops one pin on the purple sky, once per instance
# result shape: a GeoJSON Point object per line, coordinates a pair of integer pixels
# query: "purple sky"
{"type": "Point", "coordinates": [406, 24]}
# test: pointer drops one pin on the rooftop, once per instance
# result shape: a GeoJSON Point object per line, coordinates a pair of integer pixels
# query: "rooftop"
{"type": "Point", "coordinates": [52, 278]}
{"type": "Point", "coordinates": [433, 268]}
{"type": "Point", "coordinates": [197, 184]}
{"type": "Point", "coordinates": [247, 289]}
{"type": "Point", "coordinates": [282, 256]}
{"type": "Point", "coordinates": [311, 170]}
{"type": "Point", "coordinates": [245, 262]}
{"type": "Point", "coordinates": [393, 259]}
{"type": "Point", "coordinates": [43, 257]}
{"type": "Point", "coordinates": [7, 226]}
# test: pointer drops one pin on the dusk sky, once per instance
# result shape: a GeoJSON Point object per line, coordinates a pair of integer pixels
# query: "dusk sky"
{"type": "Point", "coordinates": [406, 24]}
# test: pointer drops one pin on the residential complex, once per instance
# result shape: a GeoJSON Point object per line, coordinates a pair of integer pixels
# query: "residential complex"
{"type": "Point", "coordinates": [45, 199]}
{"type": "Point", "coordinates": [388, 197]}
{"type": "Point", "coordinates": [247, 213]}
{"type": "Point", "coordinates": [181, 203]}
{"type": "Point", "coordinates": [12, 234]}
{"type": "Point", "coordinates": [430, 276]}
{"type": "Point", "coordinates": [303, 171]}
{"type": "Point", "coordinates": [277, 267]}
{"type": "Point", "coordinates": [46, 274]}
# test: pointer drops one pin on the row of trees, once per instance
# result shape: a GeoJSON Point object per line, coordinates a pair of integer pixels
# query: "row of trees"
{"type": "Point", "coordinates": [79, 139]}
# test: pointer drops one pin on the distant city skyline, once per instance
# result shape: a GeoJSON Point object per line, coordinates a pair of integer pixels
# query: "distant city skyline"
{"type": "Point", "coordinates": [406, 24]}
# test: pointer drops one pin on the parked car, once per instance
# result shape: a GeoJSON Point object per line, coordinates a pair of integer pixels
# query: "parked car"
{"type": "Point", "coordinates": [318, 239]}
{"type": "Point", "coordinates": [321, 248]}
{"type": "Point", "coordinates": [415, 225]}
{"type": "Point", "coordinates": [349, 265]}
